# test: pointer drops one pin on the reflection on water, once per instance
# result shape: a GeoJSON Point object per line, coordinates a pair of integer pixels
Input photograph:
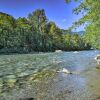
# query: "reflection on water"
{"type": "Point", "coordinates": [35, 75]}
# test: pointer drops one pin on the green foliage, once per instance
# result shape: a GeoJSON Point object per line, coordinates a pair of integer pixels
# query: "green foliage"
{"type": "Point", "coordinates": [75, 42]}
{"type": "Point", "coordinates": [70, 1]}
{"type": "Point", "coordinates": [35, 33]}
{"type": "Point", "coordinates": [91, 16]}
{"type": "Point", "coordinates": [93, 37]}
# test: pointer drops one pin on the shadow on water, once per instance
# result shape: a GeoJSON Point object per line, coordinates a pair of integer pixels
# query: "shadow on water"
{"type": "Point", "coordinates": [35, 77]}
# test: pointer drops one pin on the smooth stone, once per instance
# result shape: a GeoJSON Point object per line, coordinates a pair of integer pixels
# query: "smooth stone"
{"type": "Point", "coordinates": [58, 50]}
{"type": "Point", "coordinates": [11, 77]}
{"type": "Point", "coordinates": [23, 74]}
{"type": "Point", "coordinates": [64, 70]}
{"type": "Point", "coordinates": [11, 82]}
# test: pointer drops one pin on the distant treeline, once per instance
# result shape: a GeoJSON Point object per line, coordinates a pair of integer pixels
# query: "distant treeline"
{"type": "Point", "coordinates": [36, 34]}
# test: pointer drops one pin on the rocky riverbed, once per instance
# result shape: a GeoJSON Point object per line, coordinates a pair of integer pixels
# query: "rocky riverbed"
{"type": "Point", "coordinates": [28, 76]}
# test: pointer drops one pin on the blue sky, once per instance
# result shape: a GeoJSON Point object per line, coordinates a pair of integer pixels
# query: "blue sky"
{"type": "Point", "coordinates": [56, 10]}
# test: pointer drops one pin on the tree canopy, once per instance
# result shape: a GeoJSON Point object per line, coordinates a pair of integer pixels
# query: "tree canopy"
{"type": "Point", "coordinates": [36, 33]}
{"type": "Point", "coordinates": [91, 17]}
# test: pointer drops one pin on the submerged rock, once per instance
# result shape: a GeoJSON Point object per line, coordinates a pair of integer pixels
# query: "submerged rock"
{"type": "Point", "coordinates": [1, 82]}
{"type": "Point", "coordinates": [10, 80]}
{"type": "Point", "coordinates": [1, 85]}
{"type": "Point", "coordinates": [27, 99]}
{"type": "Point", "coordinates": [64, 70]}
{"type": "Point", "coordinates": [23, 74]}
{"type": "Point", "coordinates": [98, 67]}
{"type": "Point", "coordinates": [11, 77]}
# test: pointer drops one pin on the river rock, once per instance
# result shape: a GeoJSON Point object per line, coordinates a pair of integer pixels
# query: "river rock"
{"type": "Point", "coordinates": [58, 50]}
{"type": "Point", "coordinates": [1, 82]}
{"type": "Point", "coordinates": [64, 70]}
{"type": "Point", "coordinates": [11, 77]}
{"type": "Point", "coordinates": [10, 80]}
{"type": "Point", "coordinates": [97, 58]}
{"type": "Point", "coordinates": [75, 52]}
{"type": "Point", "coordinates": [22, 74]}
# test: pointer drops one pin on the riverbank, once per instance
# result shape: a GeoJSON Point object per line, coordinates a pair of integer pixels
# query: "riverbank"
{"type": "Point", "coordinates": [9, 52]}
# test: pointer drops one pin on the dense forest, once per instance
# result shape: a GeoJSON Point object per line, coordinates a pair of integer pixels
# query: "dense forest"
{"type": "Point", "coordinates": [36, 34]}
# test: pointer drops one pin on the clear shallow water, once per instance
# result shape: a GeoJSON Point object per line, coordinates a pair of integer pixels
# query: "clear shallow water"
{"type": "Point", "coordinates": [35, 75]}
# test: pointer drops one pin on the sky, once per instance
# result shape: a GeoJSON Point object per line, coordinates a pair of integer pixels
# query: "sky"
{"type": "Point", "coordinates": [56, 10]}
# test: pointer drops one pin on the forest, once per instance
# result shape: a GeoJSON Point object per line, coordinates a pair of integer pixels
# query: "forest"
{"type": "Point", "coordinates": [36, 34]}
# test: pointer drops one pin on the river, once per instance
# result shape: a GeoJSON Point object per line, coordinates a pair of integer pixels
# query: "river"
{"type": "Point", "coordinates": [35, 76]}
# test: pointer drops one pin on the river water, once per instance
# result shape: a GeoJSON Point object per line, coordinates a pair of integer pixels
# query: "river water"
{"type": "Point", "coordinates": [36, 76]}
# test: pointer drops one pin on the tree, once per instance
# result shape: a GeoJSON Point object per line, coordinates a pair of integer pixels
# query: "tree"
{"type": "Point", "coordinates": [55, 36]}
{"type": "Point", "coordinates": [91, 16]}
{"type": "Point", "coordinates": [93, 37]}
{"type": "Point", "coordinates": [36, 33]}
{"type": "Point", "coordinates": [23, 29]}
{"type": "Point", "coordinates": [38, 20]}
{"type": "Point", "coordinates": [7, 24]}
